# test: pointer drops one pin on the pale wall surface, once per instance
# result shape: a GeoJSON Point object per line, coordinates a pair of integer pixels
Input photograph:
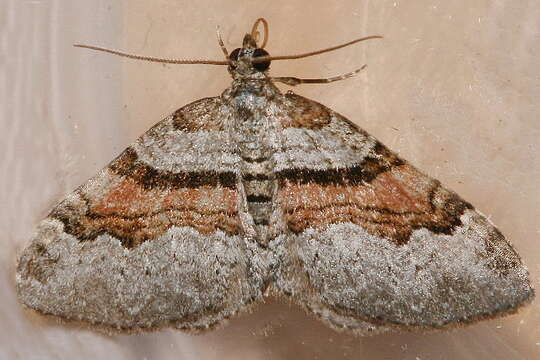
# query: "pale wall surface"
{"type": "Point", "coordinates": [453, 88]}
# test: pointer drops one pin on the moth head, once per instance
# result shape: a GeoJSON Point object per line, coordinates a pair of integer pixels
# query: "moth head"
{"type": "Point", "coordinates": [242, 58]}
{"type": "Point", "coordinates": [250, 61]}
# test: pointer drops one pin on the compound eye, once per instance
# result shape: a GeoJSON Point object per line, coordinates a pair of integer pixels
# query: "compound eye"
{"type": "Point", "coordinates": [234, 55]}
{"type": "Point", "coordinates": [261, 66]}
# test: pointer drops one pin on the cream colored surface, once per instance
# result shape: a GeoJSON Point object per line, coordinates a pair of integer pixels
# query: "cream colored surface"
{"type": "Point", "coordinates": [453, 87]}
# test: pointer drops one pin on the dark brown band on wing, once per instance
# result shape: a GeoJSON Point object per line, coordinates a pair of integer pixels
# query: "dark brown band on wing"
{"type": "Point", "coordinates": [133, 214]}
{"type": "Point", "coordinates": [304, 113]}
{"type": "Point", "coordinates": [128, 166]}
{"type": "Point", "coordinates": [201, 115]}
{"type": "Point", "coordinates": [381, 160]}
{"type": "Point", "coordinates": [386, 223]}
{"type": "Point", "coordinates": [391, 206]}
{"type": "Point", "coordinates": [133, 232]}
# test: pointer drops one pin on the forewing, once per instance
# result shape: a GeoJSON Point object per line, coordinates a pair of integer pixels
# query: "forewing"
{"type": "Point", "coordinates": [374, 243]}
{"type": "Point", "coordinates": [153, 239]}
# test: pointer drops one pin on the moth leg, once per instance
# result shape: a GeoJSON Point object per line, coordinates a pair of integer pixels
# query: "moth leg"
{"type": "Point", "coordinates": [293, 81]}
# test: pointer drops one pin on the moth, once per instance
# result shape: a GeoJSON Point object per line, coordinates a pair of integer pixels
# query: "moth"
{"type": "Point", "coordinates": [255, 193]}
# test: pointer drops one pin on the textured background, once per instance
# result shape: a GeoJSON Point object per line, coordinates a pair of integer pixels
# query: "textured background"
{"type": "Point", "coordinates": [453, 88]}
